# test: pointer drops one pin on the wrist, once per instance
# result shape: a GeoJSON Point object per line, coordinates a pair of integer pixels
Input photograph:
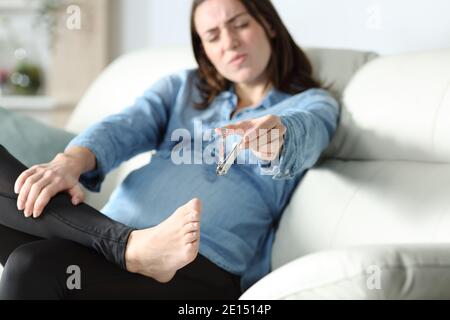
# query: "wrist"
{"type": "Point", "coordinates": [80, 159]}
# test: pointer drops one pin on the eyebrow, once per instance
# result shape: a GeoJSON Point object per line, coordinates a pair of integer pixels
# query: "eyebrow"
{"type": "Point", "coordinates": [227, 22]}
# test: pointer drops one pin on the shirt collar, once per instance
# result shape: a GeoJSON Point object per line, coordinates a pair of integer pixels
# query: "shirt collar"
{"type": "Point", "coordinates": [273, 97]}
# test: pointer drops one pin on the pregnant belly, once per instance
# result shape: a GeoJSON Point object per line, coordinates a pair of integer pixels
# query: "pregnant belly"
{"type": "Point", "coordinates": [150, 194]}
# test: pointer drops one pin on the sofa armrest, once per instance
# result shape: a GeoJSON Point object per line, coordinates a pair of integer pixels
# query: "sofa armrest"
{"type": "Point", "coordinates": [29, 140]}
{"type": "Point", "coordinates": [366, 272]}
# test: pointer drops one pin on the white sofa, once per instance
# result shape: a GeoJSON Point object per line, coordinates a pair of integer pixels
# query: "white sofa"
{"type": "Point", "coordinates": [372, 218]}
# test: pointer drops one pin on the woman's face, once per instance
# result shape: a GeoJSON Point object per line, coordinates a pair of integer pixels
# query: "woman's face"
{"type": "Point", "coordinates": [235, 43]}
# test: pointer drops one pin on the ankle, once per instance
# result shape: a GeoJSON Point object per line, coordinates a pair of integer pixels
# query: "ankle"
{"type": "Point", "coordinates": [131, 255]}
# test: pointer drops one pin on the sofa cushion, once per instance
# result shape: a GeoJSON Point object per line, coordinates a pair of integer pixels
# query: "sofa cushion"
{"type": "Point", "coordinates": [367, 272]}
{"type": "Point", "coordinates": [335, 67]}
{"type": "Point", "coordinates": [395, 118]}
{"type": "Point", "coordinates": [30, 141]}
{"type": "Point", "coordinates": [397, 108]}
{"type": "Point", "coordinates": [350, 203]}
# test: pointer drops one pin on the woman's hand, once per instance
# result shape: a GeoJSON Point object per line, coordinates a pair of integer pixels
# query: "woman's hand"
{"type": "Point", "coordinates": [37, 185]}
{"type": "Point", "coordinates": [263, 136]}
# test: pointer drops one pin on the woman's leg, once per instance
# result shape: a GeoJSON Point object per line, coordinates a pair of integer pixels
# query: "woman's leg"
{"type": "Point", "coordinates": [156, 252]}
{"type": "Point", "coordinates": [10, 240]}
{"type": "Point", "coordinates": [82, 224]}
{"type": "Point", "coordinates": [46, 269]}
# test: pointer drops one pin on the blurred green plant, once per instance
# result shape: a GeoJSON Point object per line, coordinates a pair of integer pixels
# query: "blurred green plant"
{"type": "Point", "coordinates": [26, 78]}
{"type": "Point", "coordinates": [47, 17]}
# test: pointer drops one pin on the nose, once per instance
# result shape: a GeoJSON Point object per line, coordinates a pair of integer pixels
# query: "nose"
{"type": "Point", "coordinates": [230, 40]}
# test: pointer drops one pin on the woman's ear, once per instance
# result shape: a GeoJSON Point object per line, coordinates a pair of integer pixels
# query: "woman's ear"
{"type": "Point", "coordinates": [272, 33]}
{"type": "Point", "coordinates": [270, 29]}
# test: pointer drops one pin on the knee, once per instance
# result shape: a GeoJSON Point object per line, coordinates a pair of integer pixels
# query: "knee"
{"type": "Point", "coordinates": [30, 273]}
{"type": "Point", "coordinates": [11, 168]}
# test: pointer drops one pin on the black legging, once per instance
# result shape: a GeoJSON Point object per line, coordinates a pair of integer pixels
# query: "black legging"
{"type": "Point", "coordinates": [37, 254]}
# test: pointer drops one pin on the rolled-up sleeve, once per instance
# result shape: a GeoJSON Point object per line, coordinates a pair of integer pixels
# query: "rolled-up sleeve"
{"type": "Point", "coordinates": [138, 128]}
{"type": "Point", "coordinates": [311, 121]}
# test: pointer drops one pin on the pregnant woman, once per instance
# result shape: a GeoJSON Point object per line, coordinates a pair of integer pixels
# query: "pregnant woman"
{"type": "Point", "coordinates": [174, 230]}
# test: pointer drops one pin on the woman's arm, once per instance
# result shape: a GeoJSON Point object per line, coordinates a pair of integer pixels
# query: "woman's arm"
{"type": "Point", "coordinates": [84, 158]}
{"type": "Point", "coordinates": [291, 136]}
{"type": "Point", "coordinates": [136, 129]}
{"type": "Point", "coordinates": [99, 149]}
{"type": "Point", "coordinates": [311, 122]}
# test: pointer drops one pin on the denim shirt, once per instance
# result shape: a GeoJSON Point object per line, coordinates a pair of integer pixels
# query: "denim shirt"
{"type": "Point", "coordinates": [240, 210]}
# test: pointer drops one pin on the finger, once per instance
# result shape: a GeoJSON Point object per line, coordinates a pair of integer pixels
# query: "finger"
{"type": "Point", "coordinates": [271, 138]}
{"type": "Point", "coordinates": [222, 151]}
{"type": "Point", "coordinates": [272, 147]}
{"type": "Point", "coordinates": [268, 121]}
{"type": "Point", "coordinates": [77, 194]}
{"type": "Point", "coordinates": [265, 156]}
{"type": "Point", "coordinates": [34, 193]}
{"type": "Point", "coordinates": [265, 125]}
{"type": "Point", "coordinates": [237, 128]}
{"type": "Point", "coordinates": [274, 130]}
{"type": "Point", "coordinates": [22, 178]}
{"type": "Point", "coordinates": [260, 136]}
{"type": "Point", "coordinates": [268, 151]}
{"type": "Point", "coordinates": [44, 198]}
{"type": "Point", "coordinates": [25, 190]}
{"type": "Point", "coordinates": [220, 148]}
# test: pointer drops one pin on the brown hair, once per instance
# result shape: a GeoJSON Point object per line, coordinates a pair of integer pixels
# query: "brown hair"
{"type": "Point", "coordinates": [289, 69]}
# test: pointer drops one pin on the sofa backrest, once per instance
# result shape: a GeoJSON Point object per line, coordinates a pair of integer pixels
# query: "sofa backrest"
{"type": "Point", "coordinates": [397, 108]}
{"type": "Point", "coordinates": [128, 77]}
{"type": "Point", "coordinates": [387, 176]}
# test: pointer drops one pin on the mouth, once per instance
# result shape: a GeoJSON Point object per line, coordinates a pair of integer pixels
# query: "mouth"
{"type": "Point", "coordinates": [238, 59]}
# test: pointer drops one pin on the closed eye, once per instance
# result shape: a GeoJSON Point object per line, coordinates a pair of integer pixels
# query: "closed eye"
{"type": "Point", "coordinates": [212, 39]}
{"type": "Point", "coordinates": [241, 25]}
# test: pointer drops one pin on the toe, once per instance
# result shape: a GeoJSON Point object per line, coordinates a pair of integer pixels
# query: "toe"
{"type": "Point", "coordinates": [192, 216]}
{"type": "Point", "coordinates": [191, 226]}
{"type": "Point", "coordinates": [190, 237]}
{"type": "Point", "coordinates": [191, 251]}
{"type": "Point", "coordinates": [194, 206]}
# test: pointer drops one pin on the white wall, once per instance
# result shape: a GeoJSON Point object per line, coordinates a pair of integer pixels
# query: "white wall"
{"type": "Point", "coordinates": [18, 29]}
{"type": "Point", "coordinates": [385, 26]}
{"type": "Point", "coordinates": [129, 26]}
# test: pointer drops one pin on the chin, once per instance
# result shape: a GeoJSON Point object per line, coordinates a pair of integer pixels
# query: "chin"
{"type": "Point", "coordinates": [242, 76]}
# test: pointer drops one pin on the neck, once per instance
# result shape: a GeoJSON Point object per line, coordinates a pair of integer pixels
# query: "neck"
{"type": "Point", "coordinates": [250, 95]}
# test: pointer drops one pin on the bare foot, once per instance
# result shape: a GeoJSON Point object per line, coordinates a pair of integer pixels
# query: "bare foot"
{"type": "Point", "coordinates": [159, 252]}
